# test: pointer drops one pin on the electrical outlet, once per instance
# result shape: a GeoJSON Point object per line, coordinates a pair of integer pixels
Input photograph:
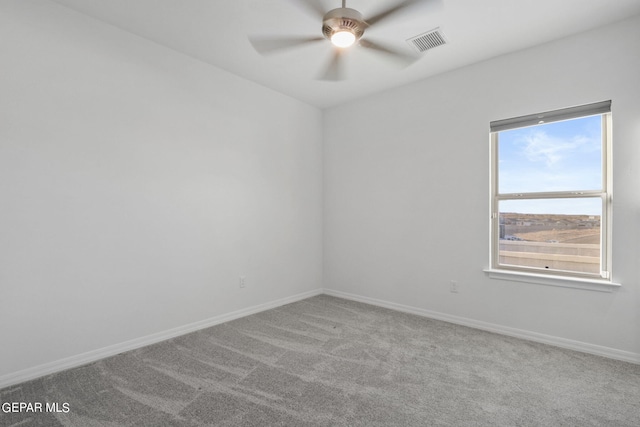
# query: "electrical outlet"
{"type": "Point", "coordinates": [453, 286]}
{"type": "Point", "coordinates": [242, 281]}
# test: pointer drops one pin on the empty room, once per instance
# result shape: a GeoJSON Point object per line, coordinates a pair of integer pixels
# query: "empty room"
{"type": "Point", "coordinates": [319, 213]}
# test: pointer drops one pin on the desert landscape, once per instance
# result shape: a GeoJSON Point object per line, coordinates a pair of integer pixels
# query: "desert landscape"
{"type": "Point", "coordinates": [554, 242]}
{"type": "Point", "coordinates": [582, 229]}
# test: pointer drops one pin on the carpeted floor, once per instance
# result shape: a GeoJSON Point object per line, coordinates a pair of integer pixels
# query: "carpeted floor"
{"type": "Point", "coordinates": [326, 361]}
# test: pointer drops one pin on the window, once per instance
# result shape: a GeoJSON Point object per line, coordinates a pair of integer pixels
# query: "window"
{"type": "Point", "coordinates": [551, 193]}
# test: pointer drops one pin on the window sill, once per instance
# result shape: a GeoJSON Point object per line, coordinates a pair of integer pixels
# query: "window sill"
{"type": "Point", "coordinates": [543, 279]}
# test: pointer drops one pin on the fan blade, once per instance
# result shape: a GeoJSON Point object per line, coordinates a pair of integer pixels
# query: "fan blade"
{"type": "Point", "coordinates": [388, 12]}
{"type": "Point", "coordinates": [312, 6]}
{"type": "Point", "coordinates": [334, 71]}
{"type": "Point", "coordinates": [404, 58]}
{"type": "Point", "coordinates": [266, 45]}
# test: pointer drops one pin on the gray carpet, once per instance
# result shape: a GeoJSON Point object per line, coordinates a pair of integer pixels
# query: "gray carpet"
{"type": "Point", "coordinates": [326, 361]}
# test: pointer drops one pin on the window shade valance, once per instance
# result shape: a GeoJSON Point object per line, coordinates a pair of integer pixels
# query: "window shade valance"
{"type": "Point", "coordinates": [551, 116]}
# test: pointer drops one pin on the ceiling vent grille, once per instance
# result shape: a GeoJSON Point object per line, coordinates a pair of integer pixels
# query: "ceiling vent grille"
{"type": "Point", "coordinates": [427, 41]}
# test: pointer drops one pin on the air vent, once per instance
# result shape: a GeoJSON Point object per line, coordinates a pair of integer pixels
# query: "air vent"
{"type": "Point", "coordinates": [427, 41]}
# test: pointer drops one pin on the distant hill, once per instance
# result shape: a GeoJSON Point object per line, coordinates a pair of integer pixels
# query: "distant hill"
{"type": "Point", "coordinates": [556, 228]}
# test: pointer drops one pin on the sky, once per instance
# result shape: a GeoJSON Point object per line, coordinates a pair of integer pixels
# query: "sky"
{"type": "Point", "coordinates": [558, 156]}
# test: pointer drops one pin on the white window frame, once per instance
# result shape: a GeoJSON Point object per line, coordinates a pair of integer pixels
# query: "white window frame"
{"type": "Point", "coordinates": [602, 281]}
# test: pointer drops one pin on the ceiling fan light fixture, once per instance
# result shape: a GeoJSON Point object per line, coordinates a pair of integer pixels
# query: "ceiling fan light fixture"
{"type": "Point", "coordinates": [343, 26]}
{"type": "Point", "coordinates": [343, 38]}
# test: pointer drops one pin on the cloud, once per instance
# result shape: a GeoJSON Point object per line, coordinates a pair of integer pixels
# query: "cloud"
{"type": "Point", "coordinates": [540, 147]}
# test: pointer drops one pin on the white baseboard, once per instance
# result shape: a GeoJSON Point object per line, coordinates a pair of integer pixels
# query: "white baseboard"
{"type": "Point", "coordinates": [94, 355]}
{"type": "Point", "coordinates": [112, 350]}
{"type": "Point", "coordinates": [612, 353]}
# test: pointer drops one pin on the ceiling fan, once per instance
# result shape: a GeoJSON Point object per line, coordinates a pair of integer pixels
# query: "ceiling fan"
{"type": "Point", "coordinates": [344, 28]}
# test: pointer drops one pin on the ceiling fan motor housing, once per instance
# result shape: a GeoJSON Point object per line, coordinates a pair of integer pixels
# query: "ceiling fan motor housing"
{"type": "Point", "coordinates": [343, 19]}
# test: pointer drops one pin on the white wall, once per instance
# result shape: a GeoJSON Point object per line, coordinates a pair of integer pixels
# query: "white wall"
{"type": "Point", "coordinates": [137, 185]}
{"type": "Point", "coordinates": [407, 190]}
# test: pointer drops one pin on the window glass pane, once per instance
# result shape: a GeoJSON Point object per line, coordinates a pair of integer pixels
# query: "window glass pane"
{"type": "Point", "coordinates": [559, 156]}
{"type": "Point", "coordinates": [551, 234]}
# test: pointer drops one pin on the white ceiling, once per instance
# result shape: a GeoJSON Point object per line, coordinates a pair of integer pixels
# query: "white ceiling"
{"type": "Point", "coordinates": [217, 31]}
